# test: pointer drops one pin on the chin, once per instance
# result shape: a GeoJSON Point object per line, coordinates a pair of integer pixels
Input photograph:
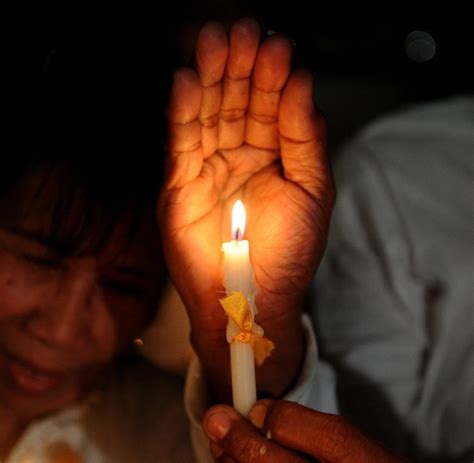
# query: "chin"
{"type": "Point", "coordinates": [29, 396]}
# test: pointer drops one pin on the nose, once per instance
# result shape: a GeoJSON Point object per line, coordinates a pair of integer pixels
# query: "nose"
{"type": "Point", "coordinates": [64, 317]}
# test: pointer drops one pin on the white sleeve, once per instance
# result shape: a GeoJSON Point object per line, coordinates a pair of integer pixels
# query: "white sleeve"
{"type": "Point", "coordinates": [314, 388]}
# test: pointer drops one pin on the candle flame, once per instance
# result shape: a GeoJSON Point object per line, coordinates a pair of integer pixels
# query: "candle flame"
{"type": "Point", "coordinates": [238, 220]}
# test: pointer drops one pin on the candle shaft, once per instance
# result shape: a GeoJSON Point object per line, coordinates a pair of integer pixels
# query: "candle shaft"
{"type": "Point", "coordinates": [244, 389]}
{"type": "Point", "coordinates": [238, 276]}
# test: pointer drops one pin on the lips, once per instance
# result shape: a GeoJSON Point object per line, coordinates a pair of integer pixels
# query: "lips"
{"type": "Point", "coordinates": [30, 379]}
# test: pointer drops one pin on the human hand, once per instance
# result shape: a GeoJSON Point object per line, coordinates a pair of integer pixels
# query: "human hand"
{"type": "Point", "coordinates": [245, 127]}
{"type": "Point", "coordinates": [282, 431]}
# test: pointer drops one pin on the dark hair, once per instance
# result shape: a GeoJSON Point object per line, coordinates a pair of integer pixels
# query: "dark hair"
{"type": "Point", "coordinates": [100, 103]}
{"type": "Point", "coordinates": [90, 197]}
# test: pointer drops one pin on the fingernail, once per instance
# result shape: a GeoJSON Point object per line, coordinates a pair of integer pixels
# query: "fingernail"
{"type": "Point", "coordinates": [257, 415]}
{"type": "Point", "coordinates": [217, 425]}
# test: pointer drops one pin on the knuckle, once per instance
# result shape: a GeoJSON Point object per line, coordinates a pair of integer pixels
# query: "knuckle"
{"type": "Point", "coordinates": [281, 418]}
{"type": "Point", "coordinates": [340, 430]}
{"type": "Point", "coordinates": [246, 449]}
{"type": "Point", "coordinates": [209, 121]}
{"type": "Point", "coordinates": [242, 445]}
{"type": "Point", "coordinates": [264, 119]}
{"type": "Point", "coordinates": [232, 114]}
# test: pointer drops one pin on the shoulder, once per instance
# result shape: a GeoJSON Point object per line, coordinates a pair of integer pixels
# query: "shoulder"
{"type": "Point", "coordinates": [440, 130]}
{"type": "Point", "coordinates": [448, 114]}
{"type": "Point", "coordinates": [419, 150]}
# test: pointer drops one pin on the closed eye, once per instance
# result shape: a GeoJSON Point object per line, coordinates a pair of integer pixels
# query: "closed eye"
{"type": "Point", "coordinates": [124, 289]}
{"type": "Point", "coordinates": [40, 261]}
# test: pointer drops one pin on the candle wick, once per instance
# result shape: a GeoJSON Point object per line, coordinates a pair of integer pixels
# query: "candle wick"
{"type": "Point", "coordinates": [237, 234]}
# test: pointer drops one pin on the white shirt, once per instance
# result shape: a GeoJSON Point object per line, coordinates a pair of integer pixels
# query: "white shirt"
{"type": "Point", "coordinates": [394, 295]}
{"type": "Point", "coordinates": [137, 415]}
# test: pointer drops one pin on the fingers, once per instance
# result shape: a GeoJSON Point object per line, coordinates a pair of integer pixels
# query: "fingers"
{"type": "Point", "coordinates": [211, 57]}
{"type": "Point", "coordinates": [244, 42]}
{"type": "Point", "coordinates": [303, 140]}
{"type": "Point", "coordinates": [234, 110]}
{"type": "Point", "coordinates": [272, 68]}
{"type": "Point", "coordinates": [235, 439]}
{"type": "Point", "coordinates": [185, 150]}
{"type": "Point", "coordinates": [219, 455]}
{"type": "Point", "coordinates": [321, 435]}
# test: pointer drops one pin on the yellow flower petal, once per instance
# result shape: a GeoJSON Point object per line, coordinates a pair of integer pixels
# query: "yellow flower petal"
{"type": "Point", "coordinates": [237, 308]}
{"type": "Point", "coordinates": [262, 348]}
{"type": "Point", "coordinates": [243, 336]}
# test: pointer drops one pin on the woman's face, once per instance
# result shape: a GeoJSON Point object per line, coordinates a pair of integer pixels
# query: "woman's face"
{"type": "Point", "coordinates": [62, 319]}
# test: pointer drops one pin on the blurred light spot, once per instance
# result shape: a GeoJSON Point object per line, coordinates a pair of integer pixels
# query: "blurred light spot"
{"type": "Point", "coordinates": [420, 46]}
{"type": "Point", "coordinates": [263, 450]}
{"type": "Point", "coordinates": [138, 342]}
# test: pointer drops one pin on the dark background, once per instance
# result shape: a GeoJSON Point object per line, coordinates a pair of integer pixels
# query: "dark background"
{"type": "Point", "coordinates": [100, 80]}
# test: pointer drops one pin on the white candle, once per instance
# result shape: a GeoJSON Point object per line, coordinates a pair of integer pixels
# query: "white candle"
{"type": "Point", "coordinates": [239, 276]}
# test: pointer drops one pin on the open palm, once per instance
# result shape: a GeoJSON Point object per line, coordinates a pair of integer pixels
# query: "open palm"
{"type": "Point", "coordinates": [244, 127]}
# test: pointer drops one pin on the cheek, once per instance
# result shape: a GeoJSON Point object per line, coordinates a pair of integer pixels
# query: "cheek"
{"type": "Point", "coordinates": [21, 289]}
{"type": "Point", "coordinates": [128, 318]}
{"type": "Point", "coordinates": [114, 323]}
{"type": "Point", "coordinates": [105, 339]}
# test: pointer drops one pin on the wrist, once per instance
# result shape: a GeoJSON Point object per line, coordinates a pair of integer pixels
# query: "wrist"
{"type": "Point", "coordinates": [280, 371]}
